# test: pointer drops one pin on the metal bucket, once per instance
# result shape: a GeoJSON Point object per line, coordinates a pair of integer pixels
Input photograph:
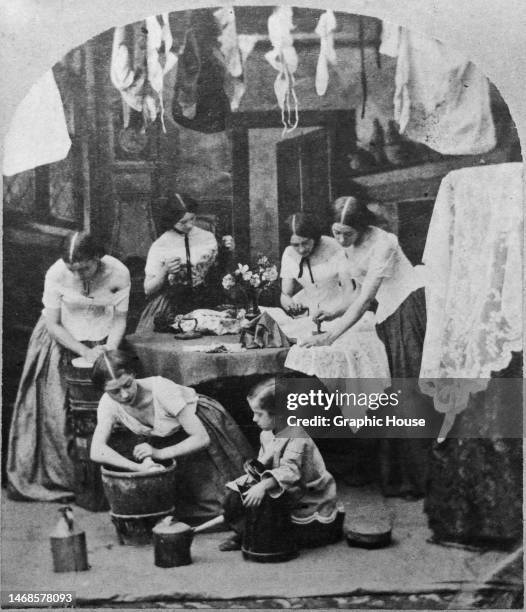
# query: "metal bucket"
{"type": "Point", "coordinates": [172, 543]}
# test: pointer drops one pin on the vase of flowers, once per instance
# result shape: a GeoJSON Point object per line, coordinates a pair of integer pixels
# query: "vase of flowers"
{"type": "Point", "coordinates": [247, 283]}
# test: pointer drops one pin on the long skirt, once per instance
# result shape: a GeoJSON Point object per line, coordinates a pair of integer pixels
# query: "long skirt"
{"type": "Point", "coordinates": [475, 484]}
{"type": "Point", "coordinates": [201, 476]}
{"type": "Point", "coordinates": [404, 462]}
{"type": "Point", "coordinates": [171, 301]}
{"type": "Point", "coordinates": [39, 466]}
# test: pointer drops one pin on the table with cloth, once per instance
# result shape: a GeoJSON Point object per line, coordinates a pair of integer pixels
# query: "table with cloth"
{"type": "Point", "coordinates": [472, 359]}
{"type": "Point", "coordinates": [187, 362]}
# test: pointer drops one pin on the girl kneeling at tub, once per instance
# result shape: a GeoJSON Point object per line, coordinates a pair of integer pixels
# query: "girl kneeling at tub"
{"type": "Point", "coordinates": [163, 421]}
{"type": "Point", "coordinates": [289, 463]}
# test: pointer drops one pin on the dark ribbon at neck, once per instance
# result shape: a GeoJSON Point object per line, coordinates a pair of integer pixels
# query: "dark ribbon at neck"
{"type": "Point", "coordinates": [305, 260]}
{"type": "Point", "coordinates": [188, 261]}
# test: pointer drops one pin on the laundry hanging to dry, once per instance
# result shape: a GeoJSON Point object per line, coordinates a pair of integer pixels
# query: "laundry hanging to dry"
{"type": "Point", "coordinates": [200, 102]}
{"type": "Point", "coordinates": [234, 51]}
{"type": "Point", "coordinates": [325, 30]}
{"type": "Point", "coordinates": [283, 58]}
{"type": "Point", "coordinates": [38, 133]}
{"type": "Point", "coordinates": [441, 98]}
{"type": "Point", "coordinates": [143, 53]}
{"type": "Point", "coordinates": [160, 57]}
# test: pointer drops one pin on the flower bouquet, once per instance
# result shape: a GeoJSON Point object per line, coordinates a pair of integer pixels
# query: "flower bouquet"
{"type": "Point", "coordinates": [247, 282]}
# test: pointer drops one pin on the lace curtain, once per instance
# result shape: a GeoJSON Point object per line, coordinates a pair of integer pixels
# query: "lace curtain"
{"type": "Point", "coordinates": [473, 259]}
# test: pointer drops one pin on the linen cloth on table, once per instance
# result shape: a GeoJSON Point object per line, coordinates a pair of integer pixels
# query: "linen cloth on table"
{"type": "Point", "coordinates": [473, 257]}
{"type": "Point", "coordinates": [357, 359]}
{"type": "Point", "coordinates": [441, 98]}
{"type": "Point", "coordinates": [263, 332]}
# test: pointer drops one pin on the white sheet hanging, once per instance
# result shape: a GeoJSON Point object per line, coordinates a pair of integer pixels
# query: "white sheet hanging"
{"type": "Point", "coordinates": [38, 133]}
{"type": "Point", "coordinates": [473, 257]}
{"type": "Point", "coordinates": [441, 98]}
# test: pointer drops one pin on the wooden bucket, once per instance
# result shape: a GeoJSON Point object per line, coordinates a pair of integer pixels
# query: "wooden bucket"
{"type": "Point", "coordinates": [81, 391]}
{"type": "Point", "coordinates": [140, 493]}
{"type": "Point", "coordinates": [138, 500]}
{"type": "Point", "coordinates": [269, 533]}
{"type": "Point", "coordinates": [137, 530]}
{"type": "Point", "coordinates": [83, 400]}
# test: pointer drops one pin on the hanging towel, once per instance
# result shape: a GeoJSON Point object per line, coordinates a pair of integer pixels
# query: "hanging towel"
{"type": "Point", "coordinates": [441, 98]}
{"type": "Point", "coordinates": [38, 133]}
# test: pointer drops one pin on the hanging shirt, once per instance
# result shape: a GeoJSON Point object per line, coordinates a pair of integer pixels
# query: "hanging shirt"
{"type": "Point", "coordinates": [323, 289]}
{"type": "Point", "coordinates": [203, 254]}
{"type": "Point", "coordinates": [88, 317]}
{"type": "Point", "coordinates": [168, 399]}
{"type": "Point", "coordinates": [380, 255]}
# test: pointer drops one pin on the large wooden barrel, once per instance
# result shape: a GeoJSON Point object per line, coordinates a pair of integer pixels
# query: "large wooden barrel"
{"type": "Point", "coordinates": [138, 500]}
{"type": "Point", "coordinates": [83, 399]}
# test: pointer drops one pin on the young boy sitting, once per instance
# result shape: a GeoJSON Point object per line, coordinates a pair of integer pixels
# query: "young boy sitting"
{"type": "Point", "coordinates": [291, 464]}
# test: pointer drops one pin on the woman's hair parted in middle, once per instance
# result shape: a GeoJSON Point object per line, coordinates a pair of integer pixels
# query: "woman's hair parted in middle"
{"type": "Point", "coordinates": [81, 246]}
{"type": "Point", "coordinates": [111, 365]}
{"type": "Point", "coordinates": [305, 225]}
{"type": "Point", "coordinates": [174, 207]}
{"type": "Point", "coordinates": [353, 211]}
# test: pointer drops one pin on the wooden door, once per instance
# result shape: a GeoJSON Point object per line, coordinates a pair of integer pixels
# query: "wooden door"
{"type": "Point", "coordinates": [305, 177]}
